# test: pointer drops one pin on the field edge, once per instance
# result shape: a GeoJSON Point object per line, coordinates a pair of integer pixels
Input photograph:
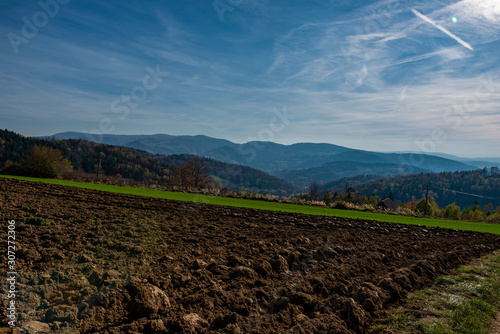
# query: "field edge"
{"type": "Point", "coordinates": [272, 206]}
{"type": "Point", "coordinates": [465, 301]}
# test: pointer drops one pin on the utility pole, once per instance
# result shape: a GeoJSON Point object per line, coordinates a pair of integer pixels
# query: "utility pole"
{"type": "Point", "coordinates": [427, 200]}
{"type": "Point", "coordinates": [98, 168]}
{"type": "Point", "coordinates": [346, 188]}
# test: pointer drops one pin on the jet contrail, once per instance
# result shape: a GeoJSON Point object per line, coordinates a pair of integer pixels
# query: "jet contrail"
{"type": "Point", "coordinates": [443, 29]}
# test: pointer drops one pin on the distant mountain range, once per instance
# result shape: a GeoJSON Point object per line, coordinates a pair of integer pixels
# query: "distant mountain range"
{"type": "Point", "coordinates": [298, 163]}
{"type": "Point", "coordinates": [477, 162]}
{"type": "Point", "coordinates": [294, 166]}
{"type": "Point", "coordinates": [343, 169]}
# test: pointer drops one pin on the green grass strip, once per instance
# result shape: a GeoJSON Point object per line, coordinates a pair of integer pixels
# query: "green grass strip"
{"type": "Point", "coordinates": [272, 206]}
{"type": "Point", "coordinates": [465, 302]}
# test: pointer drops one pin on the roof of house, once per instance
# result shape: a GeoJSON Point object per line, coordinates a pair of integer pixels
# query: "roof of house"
{"type": "Point", "coordinates": [389, 204]}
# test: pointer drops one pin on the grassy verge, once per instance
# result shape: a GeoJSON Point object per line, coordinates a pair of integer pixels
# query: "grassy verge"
{"type": "Point", "coordinates": [272, 206]}
{"type": "Point", "coordinates": [465, 302]}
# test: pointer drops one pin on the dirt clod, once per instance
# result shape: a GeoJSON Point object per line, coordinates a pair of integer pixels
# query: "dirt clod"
{"type": "Point", "coordinates": [146, 299]}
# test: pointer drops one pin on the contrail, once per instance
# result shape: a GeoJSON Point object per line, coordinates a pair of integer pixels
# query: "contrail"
{"type": "Point", "coordinates": [443, 29]}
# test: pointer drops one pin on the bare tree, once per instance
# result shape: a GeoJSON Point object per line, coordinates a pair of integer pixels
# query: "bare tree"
{"type": "Point", "coordinates": [198, 170]}
{"type": "Point", "coordinates": [192, 174]}
{"type": "Point", "coordinates": [181, 177]}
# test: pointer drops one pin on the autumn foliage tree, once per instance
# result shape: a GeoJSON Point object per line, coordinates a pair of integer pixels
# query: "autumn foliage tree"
{"type": "Point", "coordinates": [41, 161]}
{"type": "Point", "coordinates": [44, 161]}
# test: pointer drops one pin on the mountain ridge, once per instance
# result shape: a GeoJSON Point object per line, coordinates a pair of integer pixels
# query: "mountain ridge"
{"type": "Point", "coordinates": [336, 170]}
{"type": "Point", "coordinates": [270, 157]}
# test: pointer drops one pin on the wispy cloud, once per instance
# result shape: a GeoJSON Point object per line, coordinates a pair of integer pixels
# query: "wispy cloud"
{"type": "Point", "coordinates": [361, 74]}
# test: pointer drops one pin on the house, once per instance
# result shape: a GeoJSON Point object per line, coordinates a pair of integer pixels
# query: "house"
{"type": "Point", "coordinates": [387, 204]}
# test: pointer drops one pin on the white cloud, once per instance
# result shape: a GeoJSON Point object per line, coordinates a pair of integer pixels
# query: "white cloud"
{"type": "Point", "coordinates": [374, 75]}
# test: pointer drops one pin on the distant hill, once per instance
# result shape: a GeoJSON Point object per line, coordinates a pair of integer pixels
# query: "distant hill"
{"type": "Point", "coordinates": [274, 158]}
{"type": "Point", "coordinates": [476, 162]}
{"type": "Point", "coordinates": [343, 169]}
{"type": "Point", "coordinates": [352, 181]}
{"type": "Point", "coordinates": [463, 188]}
{"type": "Point", "coordinates": [158, 143]}
{"type": "Point", "coordinates": [119, 140]}
{"type": "Point", "coordinates": [194, 145]}
{"type": "Point", "coordinates": [135, 164]}
{"type": "Point", "coordinates": [418, 161]}
{"type": "Point", "coordinates": [278, 159]}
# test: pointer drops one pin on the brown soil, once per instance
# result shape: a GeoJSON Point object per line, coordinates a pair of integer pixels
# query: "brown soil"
{"type": "Point", "coordinates": [495, 328]}
{"type": "Point", "coordinates": [114, 263]}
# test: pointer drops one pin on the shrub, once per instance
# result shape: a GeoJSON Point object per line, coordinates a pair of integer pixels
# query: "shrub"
{"type": "Point", "coordinates": [452, 211]}
{"type": "Point", "coordinates": [427, 208]}
{"type": "Point", "coordinates": [42, 161]}
{"type": "Point", "coordinates": [494, 218]}
{"type": "Point", "coordinates": [339, 204]}
{"type": "Point", "coordinates": [473, 214]}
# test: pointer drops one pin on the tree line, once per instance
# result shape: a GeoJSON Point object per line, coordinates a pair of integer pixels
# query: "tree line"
{"type": "Point", "coordinates": [424, 205]}
{"type": "Point", "coordinates": [463, 188]}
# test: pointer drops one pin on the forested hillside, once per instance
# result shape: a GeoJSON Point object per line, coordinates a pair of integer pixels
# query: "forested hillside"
{"type": "Point", "coordinates": [245, 177]}
{"type": "Point", "coordinates": [137, 165]}
{"type": "Point", "coordinates": [89, 157]}
{"type": "Point", "coordinates": [342, 169]}
{"type": "Point", "coordinates": [463, 188]}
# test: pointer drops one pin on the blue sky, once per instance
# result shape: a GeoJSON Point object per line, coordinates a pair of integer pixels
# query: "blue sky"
{"type": "Point", "coordinates": [371, 75]}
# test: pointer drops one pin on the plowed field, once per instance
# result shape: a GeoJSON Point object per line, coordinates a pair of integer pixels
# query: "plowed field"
{"type": "Point", "coordinates": [95, 262]}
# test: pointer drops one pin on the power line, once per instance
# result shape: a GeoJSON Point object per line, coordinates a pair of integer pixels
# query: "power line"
{"type": "Point", "coordinates": [464, 193]}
